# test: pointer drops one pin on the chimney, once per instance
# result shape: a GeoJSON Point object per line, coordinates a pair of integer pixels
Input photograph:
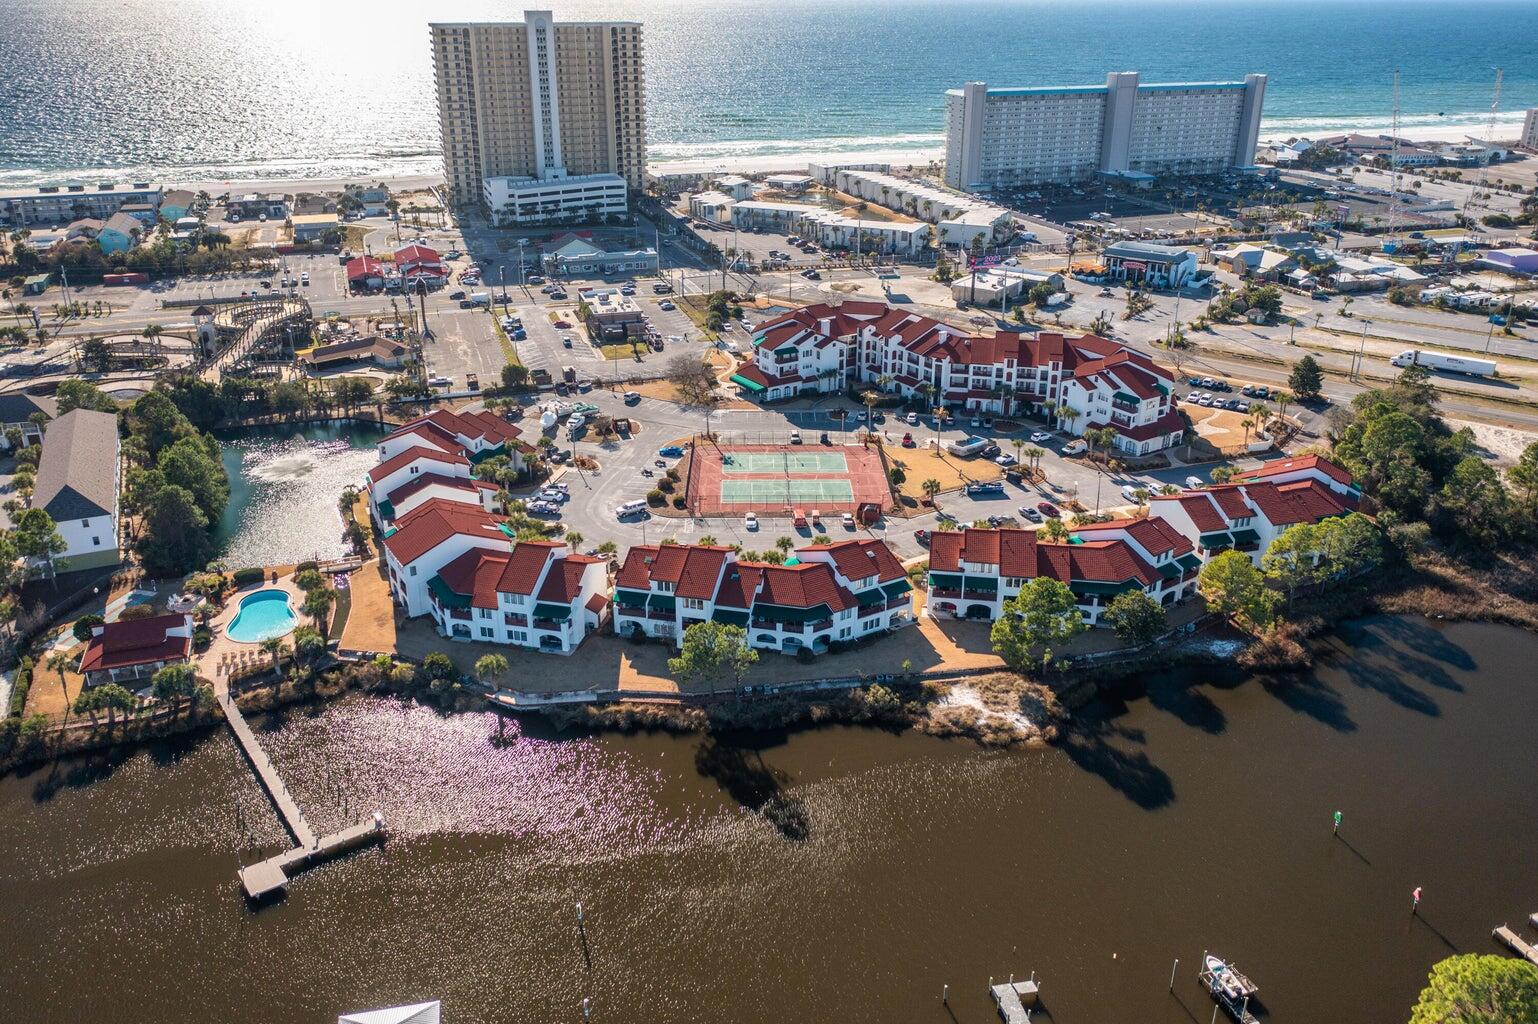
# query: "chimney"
{"type": "Point", "coordinates": [825, 327]}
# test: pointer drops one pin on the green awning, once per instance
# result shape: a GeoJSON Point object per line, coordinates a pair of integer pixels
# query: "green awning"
{"type": "Point", "coordinates": [630, 598]}
{"type": "Point", "coordinates": [386, 510]}
{"type": "Point", "coordinates": [1246, 537]}
{"type": "Point", "coordinates": [730, 617]}
{"type": "Point", "coordinates": [1189, 562]}
{"type": "Point", "coordinates": [557, 612]}
{"type": "Point", "coordinates": [895, 588]}
{"type": "Point", "coordinates": [476, 458]}
{"type": "Point", "coordinates": [1089, 589]}
{"type": "Point", "coordinates": [389, 532]}
{"type": "Point", "coordinates": [948, 580]}
{"type": "Point", "coordinates": [508, 530]}
{"type": "Point", "coordinates": [1171, 570]}
{"type": "Point", "coordinates": [793, 560]}
{"type": "Point", "coordinates": [662, 603]}
{"type": "Point", "coordinates": [1216, 541]}
{"type": "Point", "coordinates": [445, 595]}
{"type": "Point", "coordinates": [870, 597]}
{"type": "Point", "coordinates": [781, 613]}
{"type": "Point", "coordinates": [752, 385]}
{"type": "Point", "coordinates": [983, 584]}
{"type": "Point", "coordinates": [1125, 397]}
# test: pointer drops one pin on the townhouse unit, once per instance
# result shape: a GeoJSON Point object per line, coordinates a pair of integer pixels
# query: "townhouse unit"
{"type": "Point", "coordinates": [1249, 512]}
{"type": "Point", "coordinates": [973, 572]}
{"type": "Point", "coordinates": [1084, 382]}
{"type": "Point", "coordinates": [959, 220]}
{"type": "Point", "coordinates": [78, 484]}
{"type": "Point", "coordinates": [131, 651]}
{"type": "Point", "coordinates": [417, 475]}
{"type": "Point", "coordinates": [429, 537]}
{"type": "Point", "coordinates": [60, 204]}
{"type": "Point", "coordinates": [477, 436]}
{"type": "Point", "coordinates": [825, 594]}
{"type": "Point", "coordinates": [538, 594]}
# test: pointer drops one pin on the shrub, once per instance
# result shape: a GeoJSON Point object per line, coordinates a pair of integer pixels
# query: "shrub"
{"type": "Point", "coordinates": [202, 636]}
{"type": "Point", "coordinates": [19, 687]}
{"type": "Point", "coordinates": [654, 497]}
{"type": "Point", "coordinates": [678, 501]}
{"type": "Point", "coordinates": [805, 656]}
{"type": "Point", "coordinates": [135, 611]}
{"type": "Point", "coordinates": [84, 625]}
{"type": "Point", "coordinates": [310, 566]}
{"type": "Point", "coordinates": [246, 577]}
{"type": "Point", "coordinates": [666, 486]}
{"type": "Point", "coordinates": [672, 474]}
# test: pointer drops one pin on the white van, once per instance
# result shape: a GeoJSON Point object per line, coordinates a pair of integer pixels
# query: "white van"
{"type": "Point", "coordinates": [630, 508]}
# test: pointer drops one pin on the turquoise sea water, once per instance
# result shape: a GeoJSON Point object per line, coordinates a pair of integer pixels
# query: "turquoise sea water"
{"type": "Point", "coordinates": [227, 88]}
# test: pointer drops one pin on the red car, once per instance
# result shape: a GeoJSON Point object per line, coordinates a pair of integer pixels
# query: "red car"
{"type": "Point", "coordinates": [922, 536]}
{"type": "Point", "coordinates": [562, 324]}
{"type": "Point", "coordinates": [909, 442]}
{"type": "Point", "coordinates": [1048, 509]}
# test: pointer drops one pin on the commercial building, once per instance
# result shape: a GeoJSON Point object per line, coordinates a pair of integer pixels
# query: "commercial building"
{"type": "Point", "coordinates": [988, 286]}
{"type": "Point", "coordinates": [78, 484]}
{"type": "Point", "coordinates": [255, 206]}
{"type": "Point", "coordinates": [572, 254]}
{"type": "Point", "coordinates": [523, 103]}
{"type": "Point", "coordinates": [611, 315]}
{"type": "Point", "coordinates": [825, 594]}
{"type": "Point", "coordinates": [830, 228]}
{"type": "Point", "coordinates": [311, 227]}
{"type": "Point", "coordinates": [380, 352]}
{"type": "Point", "coordinates": [791, 184]}
{"type": "Point", "coordinates": [825, 348]}
{"type": "Point", "coordinates": [1146, 263]}
{"type": "Point", "coordinates": [1516, 260]}
{"type": "Point", "coordinates": [60, 204]}
{"type": "Point", "coordinates": [1037, 135]}
{"type": "Point", "coordinates": [592, 198]}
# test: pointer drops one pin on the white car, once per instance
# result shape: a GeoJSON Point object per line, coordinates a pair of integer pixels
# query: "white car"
{"type": "Point", "coordinates": [750, 521]}
{"type": "Point", "coordinates": [1040, 437]}
{"type": "Point", "coordinates": [848, 520]}
{"type": "Point", "coordinates": [1193, 481]}
{"type": "Point", "coordinates": [575, 423]}
{"type": "Point", "coordinates": [1130, 492]}
{"type": "Point", "coordinates": [912, 419]}
{"type": "Point", "coordinates": [665, 304]}
{"type": "Point", "coordinates": [1006, 459]}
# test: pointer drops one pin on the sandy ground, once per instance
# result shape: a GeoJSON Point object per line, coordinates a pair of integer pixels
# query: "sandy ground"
{"type": "Point", "coordinates": [1505, 443]}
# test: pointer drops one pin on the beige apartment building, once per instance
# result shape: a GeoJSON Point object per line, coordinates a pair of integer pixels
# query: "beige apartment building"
{"type": "Point", "coordinates": [525, 104]}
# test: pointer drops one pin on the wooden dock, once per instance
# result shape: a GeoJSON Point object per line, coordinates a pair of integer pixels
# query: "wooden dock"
{"type": "Point", "coordinates": [1013, 998]}
{"type": "Point", "coordinates": [272, 875]}
{"type": "Point", "coordinates": [1516, 943]}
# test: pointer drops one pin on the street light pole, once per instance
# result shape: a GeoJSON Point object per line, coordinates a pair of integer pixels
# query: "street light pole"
{"type": "Point", "coordinates": [1361, 350]}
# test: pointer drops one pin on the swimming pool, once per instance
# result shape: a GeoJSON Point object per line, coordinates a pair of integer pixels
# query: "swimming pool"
{"type": "Point", "coordinates": [262, 616]}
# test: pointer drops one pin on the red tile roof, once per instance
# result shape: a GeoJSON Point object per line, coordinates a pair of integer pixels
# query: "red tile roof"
{"type": "Point", "coordinates": [1022, 554]}
{"type": "Point", "coordinates": [802, 586]}
{"type": "Point", "coordinates": [1199, 507]}
{"type": "Point", "coordinates": [1155, 535]}
{"type": "Point", "coordinates": [364, 266]}
{"type": "Point", "coordinates": [1170, 423]}
{"type": "Point", "coordinates": [1302, 463]}
{"type": "Point", "coordinates": [417, 483]}
{"type": "Point", "coordinates": [1099, 561]}
{"type": "Point", "coordinates": [435, 521]}
{"type": "Point", "coordinates": [475, 574]}
{"type": "Point", "coordinates": [411, 455]}
{"type": "Point", "coordinates": [1012, 550]}
{"type": "Point", "coordinates": [1302, 501]}
{"type": "Point", "coordinates": [132, 642]}
{"type": "Point", "coordinates": [692, 568]}
{"type": "Point", "coordinates": [859, 559]}
{"type": "Point", "coordinates": [416, 254]}
{"type": "Point", "coordinates": [524, 566]}
{"type": "Point", "coordinates": [563, 583]}
{"type": "Point", "coordinates": [1231, 501]}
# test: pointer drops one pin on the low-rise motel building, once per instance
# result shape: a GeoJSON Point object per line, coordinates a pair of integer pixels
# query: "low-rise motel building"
{"type": "Point", "coordinates": [973, 572]}
{"type": "Point", "coordinates": [825, 594]}
{"type": "Point", "coordinates": [824, 348]}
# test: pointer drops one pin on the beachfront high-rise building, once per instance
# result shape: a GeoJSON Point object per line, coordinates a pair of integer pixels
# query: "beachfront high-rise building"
{"type": "Point", "coordinates": [540, 118]}
{"type": "Point", "coordinates": [1048, 134]}
{"type": "Point", "coordinates": [1530, 130]}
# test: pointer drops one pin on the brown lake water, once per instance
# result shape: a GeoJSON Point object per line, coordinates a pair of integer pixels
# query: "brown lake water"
{"type": "Point", "coordinates": [1195, 815]}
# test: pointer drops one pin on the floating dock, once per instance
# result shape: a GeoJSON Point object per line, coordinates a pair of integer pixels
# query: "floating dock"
{"type": "Point", "coordinates": [1013, 998]}
{"type": "Point", "coordinates": [1516, 943]}
{"type": "Point", "coordinates": [270, 876]}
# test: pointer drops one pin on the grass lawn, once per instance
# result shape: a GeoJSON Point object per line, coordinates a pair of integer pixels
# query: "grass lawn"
{"type": "Point", "coordinates": [509, 350]}
{"type": "Point", "coordinates": [623, 350]}
{"type": "Point", "coordinates": [45, 696]}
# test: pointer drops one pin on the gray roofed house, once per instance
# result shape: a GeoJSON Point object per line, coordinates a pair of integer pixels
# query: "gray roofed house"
{"type": "Point", "coordinates": [77, 475]}
{"type": "Point", "coordinates": [16, 410]}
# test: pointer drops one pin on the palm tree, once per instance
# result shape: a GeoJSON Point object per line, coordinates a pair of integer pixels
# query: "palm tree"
{"type": "Point", "coordinates": [489, 666]}
{"type": "Point", "coordinates": [317, 605]}
{"type": "Point", "coordinates": [574, 539]}
{"type": "Point", "coordinates": [1035, 455]}
{"type": "Point", "coordinates": [1248, 424]}
{"type": "Point", "coordinates": [870, 398]}
{"type": "Point", "coordinates": [785, 544]}
{"type": "Point", "coordinates": [273, 647]}
{"type": "Point", "coordinates": [1019, 445]}
{"type": "Point", "coordinates": [1282, 399]}
{"type": "Point", "coordinates": [1068, 413]}
{"type": "Point", "coordinates": [61, 663]}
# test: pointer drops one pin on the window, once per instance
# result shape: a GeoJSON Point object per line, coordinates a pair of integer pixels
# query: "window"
{"type": "Point", "coordinates": [413, 571]}
{"type": "Point", "coordinates": [487, 632]}
{"type": "Point", "coordinates": [96, 542]}
{"type": "Point", "coordinates": [520, 636]}
{"type": "Point", "coordinates": [86, 523]}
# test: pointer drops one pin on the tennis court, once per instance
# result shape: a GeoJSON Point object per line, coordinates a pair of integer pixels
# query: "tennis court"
{"type": "Point", "coordinates": [801, 491]}
{"type": "Point", "coordinates": [784, 462]}
{"type": "Point", "coordinates": [777, 479]}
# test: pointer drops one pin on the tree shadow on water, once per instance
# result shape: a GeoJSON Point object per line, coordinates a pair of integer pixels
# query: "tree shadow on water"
{"type": "Point", "coordinates": [78, 772]}
{"type": "Point", "coordinates": [1307, 694]}
{"type": "Point", "coordinates": [747, 779]}
{"type": "Point", "coordinates": [1088, 742]}
{"type": "Point", "coordinates": [1187, 704]}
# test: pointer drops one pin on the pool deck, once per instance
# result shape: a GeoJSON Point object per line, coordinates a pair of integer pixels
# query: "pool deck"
{"type": "Point", "coordinates": [222, 647]}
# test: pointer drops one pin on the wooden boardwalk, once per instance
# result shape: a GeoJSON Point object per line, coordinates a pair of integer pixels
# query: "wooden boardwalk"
{"type": "Point", "coordinates": [1013, 998]}
{"type": "Point", "coordinates": [1516, 943]}
{"type": "Point", "coordinates": [272, 875]}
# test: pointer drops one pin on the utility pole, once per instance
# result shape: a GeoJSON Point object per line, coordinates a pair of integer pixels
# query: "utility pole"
{"type": "Point", "coordinates": [1393, 163]}
{"type": "Point", "coordinates": [1484, 165]}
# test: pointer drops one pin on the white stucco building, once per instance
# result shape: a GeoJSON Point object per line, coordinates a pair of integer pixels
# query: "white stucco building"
{"type": "Point", "coordinates": [1019, 136]}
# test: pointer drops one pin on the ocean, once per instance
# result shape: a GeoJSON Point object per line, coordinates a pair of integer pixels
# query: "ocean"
{"type": "Point", "coordinates": [213, 89]}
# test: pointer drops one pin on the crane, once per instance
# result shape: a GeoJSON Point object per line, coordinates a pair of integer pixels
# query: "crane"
{"type": "Point", "coordinates": [1489, 139]}
{"type": "Point", "coordinates": [1393, 164]}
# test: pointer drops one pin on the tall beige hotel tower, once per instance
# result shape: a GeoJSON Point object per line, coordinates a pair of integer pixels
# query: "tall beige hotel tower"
{"type": "Point", "coordinates": [541, 119]}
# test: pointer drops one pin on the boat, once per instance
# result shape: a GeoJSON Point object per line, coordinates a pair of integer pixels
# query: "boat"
{"type": "Point", "coordinates": [1232, 990]}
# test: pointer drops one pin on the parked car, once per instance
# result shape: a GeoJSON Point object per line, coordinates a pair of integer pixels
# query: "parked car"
{"type": "Point", "coordinates": [632, 397]}
{"type": "Point", "coordinates": [922, 536]}
{"type": "Point", "coordinates": [672, 451]}
{"type": "Point", "coordinates": [848, 520]}
{"type": "Point", "coordinates": [750, 521]}
{"type": "Point", "coordinates": [1049, 510]}
{"type": "Point", "coordinates": [990, 451]}
{"type": "Point", "coordinates": [908, 441]}
{"type": "Point", "coordinates": [1194, 481]}
{"type": "Point", "coordinates": [666, 304]}
{"type": "Point", "coordinates": [1131, 491]}
{"type": "Point", "coordinates": [1040, 437]}
{"type": "Point", "coordinates": [983, 487]}
{"type": "Point", "coordinates": [1006, 460]}
{"type": "Point", "coordinates": [1029, 513]}
{"type": "Point", "coordinates": [911, 419]}
{"type": "Point", "coordinates": [795, 437]}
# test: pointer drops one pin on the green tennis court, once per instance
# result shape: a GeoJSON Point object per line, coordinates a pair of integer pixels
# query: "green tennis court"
{"type": "Point", "coordinates": [787, 492]}
{"type": "Point", "coordinates": [785, 462]}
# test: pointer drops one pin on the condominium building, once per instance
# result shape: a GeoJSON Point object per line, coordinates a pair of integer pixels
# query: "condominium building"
{"type": "Point", "coordinates": [1529, 137]}
{"type": "Point", "coordinates": [61, 204]}
{"type": "Point", "coordinates": [825, 349]}
{"type": "Point", "coordinates": [1020, 136]}
{"type": "Point", "coordinates": [522, 103]}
